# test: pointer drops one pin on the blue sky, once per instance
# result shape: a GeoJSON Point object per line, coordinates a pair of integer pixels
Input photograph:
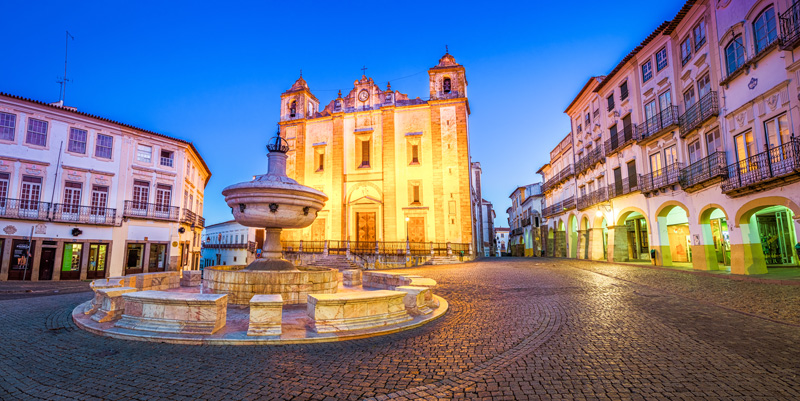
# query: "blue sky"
{"type": "Point", "coordinates": [212, 72]}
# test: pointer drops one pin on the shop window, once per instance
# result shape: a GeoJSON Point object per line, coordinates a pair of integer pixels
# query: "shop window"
{"type": "Point", "coordinates": [134, 258]}
{"type": "Point", "coordinates": [71, 263]}
{"type": "Point", "coordinates": [158, 258]}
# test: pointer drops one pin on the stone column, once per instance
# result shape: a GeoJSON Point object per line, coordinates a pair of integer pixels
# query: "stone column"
{"type": "Point", "coordinates": [560, 245]}
{"type": "Point", "coordinates": [6, 259]}
{"type": "Point", "coordinates": [596, 251]}
{"type": "Point", "coordinates": [704, 257]}
{"type": "Point", "coordinates": [59, 260]}
{"type": "Point", "coordinates": [618, 243]}
{"type": "Point", "coordinates": [747, 255]}
{"type": "Point", "coordinates": [33, 271]}
{"type": "Point", "coordinates": [272, 243]}
{"type": "Point", "coordinates": [146, 257]}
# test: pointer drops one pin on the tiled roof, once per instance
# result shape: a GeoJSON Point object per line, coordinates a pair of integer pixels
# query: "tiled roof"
{"type": "Point", "coordinates": [599, 79]}
{"type": "Point", "coordinates": [74, 111]}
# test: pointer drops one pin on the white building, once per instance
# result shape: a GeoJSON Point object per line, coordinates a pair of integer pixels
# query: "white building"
{"type": "Point", "coordinates": [501, 237]}
{"type": "Point", "coordinates": [488, 215]}
{"type": "Point", "coordinates": [84, 197]}
{"type": "Point", "coordinates": [230, 243]}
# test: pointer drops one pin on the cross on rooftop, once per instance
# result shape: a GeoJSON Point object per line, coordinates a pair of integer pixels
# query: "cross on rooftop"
{"type": "Point", "coordinates": [364, 69]}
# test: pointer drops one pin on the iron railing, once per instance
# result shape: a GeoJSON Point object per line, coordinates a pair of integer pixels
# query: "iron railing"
{"type": "Point", "coordinates": [658, 123]}
{"type": "Point", "coordinates": [594, 156]}
{"type": "Point", "coordinates": [616, 142]}
{"type": "Point", "coordinates": [703, 170]}
{"type": "Point", "coordinates": [23, 209]}
{"type": "Point", "coordinates": [526, 221]}
{"type": "Point", "coordinates": [188, 217]}
{"type": "Point", "coordinates": [592, 198]}
{"type": "Point", "coordinates": [559, 207]}
{"type": "Point", "coordinates": [624, 187]}
{"type": "Point", "coordinates": [661, 178]}
{"type": "Point", "coordinates": [558, 178]}
{"type": "Point", "coordinates": [83, 214]}
{"type": "Point", "coordinates": [232, 245]}
{"type": "Point", "coordinates": [700, 112]}
{"type": "Point", "coordinates": [763, 167]}
{"type": "Point", "coordinates": [141, 210]}
{"type": "Point", "coordinates": [790, 27]}
{"type": "Point", "coordinates": [166, 161]}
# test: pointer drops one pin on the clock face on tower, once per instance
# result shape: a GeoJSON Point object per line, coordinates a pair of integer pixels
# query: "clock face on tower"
{"type": "Point", "coordinates": [363, 95]}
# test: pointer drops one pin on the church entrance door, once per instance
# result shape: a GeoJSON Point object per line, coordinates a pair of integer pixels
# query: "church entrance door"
{"type": "Point", "coordinates": [365, 222]}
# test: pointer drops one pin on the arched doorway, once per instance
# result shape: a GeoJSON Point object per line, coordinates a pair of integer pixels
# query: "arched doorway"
{"type": "Point", "coordinates": [714, 251]}
{"type": "Point", "coordinates": [584, 239]}
{"type": "Point", "coordinates": [769, 232]}
{"type": "Point", "coordinates": [560, 240]}
{"type": "Point", "coordinates": [572, 237]}
{"type": "Point", "coordinates": [674, 236]}
{"type": "Point", "coordinates": [631, 236]}
{"type": "Point", "coordinates": [599, 235]}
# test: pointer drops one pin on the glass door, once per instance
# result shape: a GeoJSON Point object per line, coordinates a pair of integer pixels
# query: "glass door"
{"type": "Point", "coordinates": [29, 197]}
{"type": "Point", "coordinates": [97, 261]}
{"type": "Point", "coordinates": [99, 214]}
{"type": "Point", "coordinates": [71, 262]}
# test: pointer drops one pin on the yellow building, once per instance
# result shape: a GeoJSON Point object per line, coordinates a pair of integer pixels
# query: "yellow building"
{"type": "Point", "coordinates": [393, 167]}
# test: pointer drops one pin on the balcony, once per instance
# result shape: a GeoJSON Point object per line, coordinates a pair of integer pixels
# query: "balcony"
{"type": "Point", "coordinates": [592, 198]}
{"type": "Point", "coordinates": [659, 123]}
{"type": "Point", "coordinates": [83, 214]}
{"type": "Point", "coordinates": [699, 113]}
{"type": "Point", "coordinates": [593, 157]}
{"type": "Point", "coordinates": [526, 221]}
{"type": "Point", "coordinates": [23, 209]}
{"type": "Point", "coordinates": [764, 170]}
{"type": "Point", "coordinates": [558, 178]}
{"type": "Point", "coordinates": [790, 27]}
{"type": "Point", "coordinates": [559, 207]}
{"type": "Point", "coordinates": [623, 187]}
{"type": "Point", "coordinates": [152, 211]}
{"type": "Point", "coordinates": [661, 178]}
{"type": "Point", "coordinates": [166, 161]}
{"type": "Point", "coordinates": [619, 141]}
{"type": "Point", "coordinates": [703, 170]}
{"type": "Point", "coordinates": [236, 245]}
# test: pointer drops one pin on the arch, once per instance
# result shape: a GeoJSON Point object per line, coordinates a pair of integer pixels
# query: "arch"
{"type": "Point", "coordinates": [585, 223]}
{"type": "Point", "coordinates": [293, 108]}
{"type": "Point", "coordinates": [447, 85]}
{"type": "Point", "coordinates": [623, 215]}
{"type": "Point", "coordinates": [560, 225]}
{"type": "Point", "coordinates": [368, 192]}
{"type": "Point", "coordinates": [704, 217]}
{"type": "Point", "coordinates": [667, 206]}
{"type": "Point", "coordinates": [748, 209]}
{"type": "Point", "coordinates": [572, 235]}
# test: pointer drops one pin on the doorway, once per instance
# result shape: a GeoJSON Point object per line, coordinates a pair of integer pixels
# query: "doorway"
{"type": "Point", "coordinates": [97, 261]}
{"type": "Point", "coordinates": [22, 253]}
{"type": "Point", "coordinates": [46, 263]}
{"type": "Point", "coordinates": [71, 262]}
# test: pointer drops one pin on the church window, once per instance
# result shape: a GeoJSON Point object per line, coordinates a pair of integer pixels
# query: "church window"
{"type": "Point", "coordinates": [414, 193]}
{"type": "Point", "coordinates": [414, 154]}
{"type": "Point", "coordinates": [319, 158]}
{"type": "Point", "coordinates": [446, 85]}
{"type": "Point", "coordinates": [363, 150]}
{"type": "Point", "coordinates": [310, 109]}
{"type": "Point", "coordinates": [293, 109]}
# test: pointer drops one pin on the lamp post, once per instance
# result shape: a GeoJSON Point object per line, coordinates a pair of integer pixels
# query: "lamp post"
{"type": "Point", "coordinates": [408, 246]}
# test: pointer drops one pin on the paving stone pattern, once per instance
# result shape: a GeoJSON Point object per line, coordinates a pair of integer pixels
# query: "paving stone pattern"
{"type": "Point", "coordinates": [517, 329]}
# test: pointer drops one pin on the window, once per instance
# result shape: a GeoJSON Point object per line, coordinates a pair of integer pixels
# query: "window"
{"type": "Point", "coordinates": [104, 146]}
{"type": "Point", "coordinates": [745, 147]}
{"type": "Point", "coordinates": [166, 158]}
{"type": "Point", "coordinates": [647, 71]}
{"type": "Point", "coordinates": [163, 198]}
{"type": "Point", "coordinates": [72, 197]}
{"type": "Point", "coordinates": [623, 91]}
{"type": "Point", "coordinates": [141, 194]}
{"type": "Point", "coordinates": [650, 112]}
{"type": "Point", "coordinates": [8, 125]}
{"type": "Point", "coordinates": [689, 99]}
{"type": "Point", "coordinates": [655, 163]}
{"type": "Point", "coordinates": [610, 101]}
{"type": "Point", "coordinates": [686, 50]}
{"type": "Point", "coordinates": [695, 152]}
{"type": "Point", "coordinates": [670, 155]}
{"type": "Point", "coordinates": [310, 109]}
{"type": "Point", "coordinates": [185, 199]}
{"type": "Point", "coordinates": [144, 153]}
{"type": "Point", "coordinates": [30, 194]}
{"type": "Point", "coordinates": [446, 85]}
{"type": "Point", "coordinates": [320, 161]}
{"type": "Point", "coordinates": [588, 120]}
{"type": "Point", "coordinates": [293, 109]}
{"type": "Point", "coordinates": [3, 189]}
{"type": "Point", "coordinates": [699, 33]}
{"type": "Point", "coordinates": [661, 59]}
{"type": "Point", "coordinates": [415, 154]}
{"type": "Point", "coordinates": [734, 54]}
{"type": "Point", "coordinates": [414, 193]}
{"type": "Point", "coordinates": [580, 128]}
{"type": "Point", "coordinates": [704, 85]}
{"type": "Point", "coordinates": [365, 150]}
{"type": "Point", "coordinates": [37, 132]}
{"type": "Point", "coordinates": [764, 29]}
{"type": "Point", "coordinates": [665, 100]}
{"type": "Point", "coordinates": [776, 131]}
{"type": "Point", "coordinates": [72, 258]}
{"type": "Point", "coordinates": [714, 142]}
{"type": "Point", "coordinates": [99, 200]}
{"type": "Point", "coordinates": [77, 141]}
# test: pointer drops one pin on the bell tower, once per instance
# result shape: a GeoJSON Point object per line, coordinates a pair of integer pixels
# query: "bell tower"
{"type": "Point", "coordinates": [447, 79]}
{"type": "Point", "coordinates": [298, 102]}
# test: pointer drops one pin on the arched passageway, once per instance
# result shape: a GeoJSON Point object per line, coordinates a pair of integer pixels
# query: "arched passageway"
{"type": "Point", "coordinates": [768, 234]}
{"type": "Point", "coordinates": [674, 236]}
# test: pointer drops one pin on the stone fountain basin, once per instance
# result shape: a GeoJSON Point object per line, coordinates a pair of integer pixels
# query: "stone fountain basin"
{"type": "Point", "coordinates": [257, 196]}
{"type": "Point", "coordinates": [294, 286]}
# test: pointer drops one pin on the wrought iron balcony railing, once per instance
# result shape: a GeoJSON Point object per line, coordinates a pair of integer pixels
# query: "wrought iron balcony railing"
{"type": "Point", "coordinates": [166, 161]}
{"type": "Point", "coordinates": [700, 112]}
{"type": "Point", "coordinates": [703, 170]}
{"type": "Point", "coordinates": [23, 209]}
{"type": "Point", "coordinates": [661, 178]}
{"type": "Point", "coordinates": [764, 167]}
{"type": "Point", "coordinates": [624, 187]}
{"type": "Point", "coordinates": [620, 140]}
{"type": "Point", "coordinates": [594, 156]}
{"type": "Point", "coordinates": [233, 245]}
{"type": "Point", "coordinates": [790, 27]}
{"type": "Point", "coordinates": [141, 210]}
{"type": "Point", "coordinates": [526, 221]}
{"type": "Point", "coordinates": [83, 214]}
{"type": "Point", "coordinates": [556, 208]}
{"type": "Point", "coordinates": [188, 217]}
{"type": "Point", "coordinates": [659, 123]}
{"type": "Point", "coordinates": [558, 178]}
{"type": "Point", "coordinates": [592, 198]}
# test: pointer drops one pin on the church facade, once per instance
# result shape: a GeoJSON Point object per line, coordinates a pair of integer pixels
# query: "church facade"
{"type": "Point", "coordinates": [394, 168]}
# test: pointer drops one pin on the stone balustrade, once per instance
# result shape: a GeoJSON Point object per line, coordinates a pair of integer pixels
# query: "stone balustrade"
{"type": "Point", "coordinates": [356, 310]}
{"type": "Point", "coordinates": [174, 312]}
{"type": "Point", "coordinates": [266, 315]}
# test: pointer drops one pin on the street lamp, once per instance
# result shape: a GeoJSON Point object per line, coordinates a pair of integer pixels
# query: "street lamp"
{"type": "Point", "coordinates": [407, 219]}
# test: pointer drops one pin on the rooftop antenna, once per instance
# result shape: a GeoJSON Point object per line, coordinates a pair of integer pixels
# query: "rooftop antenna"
{"type": "Point", "coordinates": [63, 80]}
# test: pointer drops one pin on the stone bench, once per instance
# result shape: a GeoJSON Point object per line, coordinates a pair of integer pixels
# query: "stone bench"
{"type": "Point", "coordinates": [356, 310]}
{"type": "Point", "coordinates": [351, 277]}
{"type": "Point", "coordinates": [191, 278]}
{"type": "Point", "coordinates": [111, 282]}
{"type": "Point", "coordinates": [158, 281]}
{"type": "Point", "coordinates": [110, 303]}
{"type": "Point", "coordinates": [390, 281]}
{"type": "Point", "coordinates": [174, 312]}
{"type": "Point", "coordinates": [266, 313]}
{"type": "Point", "coordinates": [418, 300]}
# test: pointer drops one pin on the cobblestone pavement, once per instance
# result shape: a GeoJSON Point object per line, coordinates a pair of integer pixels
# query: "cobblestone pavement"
{"type": "Point", "coordinates": [28, 289]}
{"type": "Point", "coordinates": [517, 329]}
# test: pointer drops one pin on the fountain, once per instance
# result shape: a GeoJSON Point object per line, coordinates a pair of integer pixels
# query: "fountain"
{"type": "Point", "coordinates": [274, 201]}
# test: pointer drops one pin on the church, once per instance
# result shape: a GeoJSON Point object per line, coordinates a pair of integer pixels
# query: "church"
{"type": "Point", "coordinates": [394, 168]}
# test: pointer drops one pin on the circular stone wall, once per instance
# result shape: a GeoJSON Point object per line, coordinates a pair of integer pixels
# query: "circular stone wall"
{"type": "Point", "coordinates": [294, 287]}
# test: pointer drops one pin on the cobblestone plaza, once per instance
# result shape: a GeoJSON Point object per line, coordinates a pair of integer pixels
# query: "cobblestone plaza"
{"type": "Point", "coordinates": [516, 329]}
